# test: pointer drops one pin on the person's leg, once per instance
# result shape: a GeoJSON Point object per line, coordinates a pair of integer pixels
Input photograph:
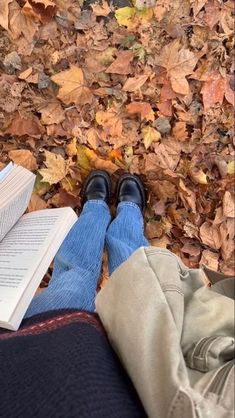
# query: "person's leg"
{"type": "Point", "coordinates": [125, 234]}
{"type": "Point", "coordinates": [77, 264]}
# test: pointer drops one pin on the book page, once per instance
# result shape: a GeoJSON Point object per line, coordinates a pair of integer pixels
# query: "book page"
{"type": "Point", "coordinates": [22, 250]}
{"type": "Point", "coordinates": [12, 211]}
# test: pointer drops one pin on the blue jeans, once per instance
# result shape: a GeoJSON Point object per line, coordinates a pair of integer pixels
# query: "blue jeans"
{"type": "Point", "coordinates": [78, 262]}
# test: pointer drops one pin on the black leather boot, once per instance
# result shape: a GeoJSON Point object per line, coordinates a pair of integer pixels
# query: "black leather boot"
{"type": "Point", "coordinates": [97, 186]}
{"type": "Point", "coordinates": [130, 189]}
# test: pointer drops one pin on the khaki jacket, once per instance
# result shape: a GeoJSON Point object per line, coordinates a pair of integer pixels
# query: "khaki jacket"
{"type": "Point", "coordinates": [174, 335]}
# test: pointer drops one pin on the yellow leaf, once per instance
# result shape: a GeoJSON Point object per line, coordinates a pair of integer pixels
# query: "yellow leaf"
{"type": "Point", "coordinates": [84, 156]}
{"type": "Point", "coordinates": [72, 86]}
{"type": "Point", "coordinates": [124, 16]}
{"type": "Point", "coordinates": [149, 135]}
{"type": "Point", "coordinates": [198, 176]}
{"type": "Point", "coordinates": [231, 167]}
{"type": "Point", "coordinates": [56, 170]}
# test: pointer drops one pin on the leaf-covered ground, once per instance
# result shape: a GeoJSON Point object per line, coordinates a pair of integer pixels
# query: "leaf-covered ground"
{"type": "Point", "coordinates": [146, 88]}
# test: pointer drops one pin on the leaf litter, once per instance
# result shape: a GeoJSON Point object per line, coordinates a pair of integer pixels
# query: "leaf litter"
{"type": "Point", "coordinates": [146, 88]}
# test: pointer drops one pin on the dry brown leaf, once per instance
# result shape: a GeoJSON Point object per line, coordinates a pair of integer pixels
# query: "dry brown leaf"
{"type": "Point", "coordinates": [167, 156]}
{"type": "Point", "coordinates": [28, 76]}
{"type": "Point", "coordinates": [192, 250]}
{"type": "Point", "coordinates": [229, 92]}
{"type": "Point", "coordinates": [73, 87]}
{"type": "Point", "coordinates": [228, 205]}
{"type": "Point", "coordinates": [143, 108]}
{"type": "Point", "coordinates": [213, 90]}
{"type": "Point", "coordinates": [56, 170]}
{"type": "Point", "coordinates": [179, 62]}
{"type": "Point", "coordinates": [187, 196]}
{"type": "Point", "coordinates": [179, 131]}
{"type": "Point", "coordinates": [210, 259]}
{"type": "Point", "coordinates": [111, 122]}
{"type": "Point", "coordinates": [21, 24]}
{"type": "Point", "coordinates": [44, 10]}
{"type": "Point", "coordinates": [198, 175]}
{"type": "Point", "coordinates": [101, 9]}
{"type": "Point", "coordinates": [122, 64]}
{"type": "Point", "coordinates": [25, 158]}
{"type": "Point", "coordinates": [227, 231]}
{"type": "Point", "coordinates": [107, 165]}
{"type": "Point", "coordinates": [36, 203]}
{"type": "Point", "coordinates": [93, 138]}
{"type": "Point", "coordinates": [4, 12]}
{"type": "Point", "coordinates": [21, 126]}
{"type": "Point", "coordinates": [51, 112]}
{"type": "Point", "coordinates": [210, 235]}
{"type": "Point", "coordinates": [134, 83]}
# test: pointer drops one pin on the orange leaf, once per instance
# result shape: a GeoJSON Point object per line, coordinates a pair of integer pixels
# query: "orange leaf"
{"type": "Point", "coordinates": [178, 62]}
{"type": "Point", "coordinates": [134, 83]}
{"type": "Point", "coordinates": [121, 65]}
{"type": "Point", "coordinates": [143, 108]}
{"type": "Point", "coordinates": [72, 86]}
{"type": "Point", "coordinates": [24, 158]}
{"type": "Point", "coordinates": [21, 126]}
{"type": "Point", "coordinates": [213, 90]}
{"type": "Point", "coordinates": [101, 9]}
{"type": "Point", "coordinates": [111, 122]}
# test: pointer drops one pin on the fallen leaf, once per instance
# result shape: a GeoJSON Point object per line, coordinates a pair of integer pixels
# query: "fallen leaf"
{"type": "Point", "coordinates": [111, 122]}
{"type": "Point", "coordinates": [36, 203]}
{"type": "Point", "coordinates": [213, 90]}
{"type": "Point", "coordinates": [149, 135]}
{"type": "Point", "coordinates": [73, 87]}
{"type": "Point", "coordinates": [71, 148]}
{"type": "Point", "coordinates": [228, 205]}
{"type": "Point", "coordinates": [231, 167]}
{"type": "Point", "coordinates": [4, 13]}
{"type": "Point", "coordinates": [143, 108]}
{"type": "Point", "coordinates": [210, 259]}
{"type": "Point", "coordinates": [93, 138]}
{"type": "Point", "coordinates": [179, 131]}
{"type": "Point", "coordinates": [167, 156]}
{"type": "Point", "coordinates": [124, 16]}
{"type": "Point", "coordinates": [229, 93]}
{"type": "Point", "coordinates": [134, 83]}
{"type": "Point", "coordinates": [227, 229]}
{"type": "Point", "coordinates": [21, 24]}
{"type": "Point", "coordinates": [212, 13]}
{"type": "Point", "coordinates": [66, 199]}
{"type": "Point", "coordinates": [21, 126]}
{"type": "Point", "coordinates": [187, 196]}
{"type": "Point", "coordinates": [51, 112]}
{"type": "Point", "coordinates": [56, 168]}
{"type": "Point", "coordinates": [179, 62]}
{"type": "Point", "coordinates": [101, 9]}
{"type": "Point", "coordinates": [101, 164]}
{"type": "Point", "coordinates": [192, 250]}
{"type": "Point", "coordinates": [25, 158]}
{"type": "Point", "coordinates": [44, 10]}
{"type": "Point", "coordinates": [210, 235]}
{"type": "Point", "coordinates": [122, 64]}
{"type": "Point", "coordinates": [198, 176]}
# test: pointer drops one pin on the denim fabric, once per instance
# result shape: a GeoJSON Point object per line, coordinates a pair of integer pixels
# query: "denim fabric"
{"type": "Point", "coordinates": [78, 262]}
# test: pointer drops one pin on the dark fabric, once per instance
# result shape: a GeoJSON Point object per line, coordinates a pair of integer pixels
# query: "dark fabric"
{"type": "Point", "coordinates": [60, 364]}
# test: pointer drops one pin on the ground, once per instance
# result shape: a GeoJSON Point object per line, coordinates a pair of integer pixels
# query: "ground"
{"type": "Point", "coordinates": [144, 87]}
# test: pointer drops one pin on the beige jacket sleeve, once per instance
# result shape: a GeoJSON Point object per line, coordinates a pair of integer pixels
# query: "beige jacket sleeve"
{"type": "Point", "coordinates": [143, 309]}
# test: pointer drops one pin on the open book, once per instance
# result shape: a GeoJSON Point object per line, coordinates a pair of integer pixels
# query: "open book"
{"type": "Point", "coordinates": [28, 243]}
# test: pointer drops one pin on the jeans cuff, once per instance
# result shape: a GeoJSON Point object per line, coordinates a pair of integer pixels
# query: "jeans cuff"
{"type": "Point", "coordinates": [98, 202]}
{"type": "Point", "coordinates": [129, 204]}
